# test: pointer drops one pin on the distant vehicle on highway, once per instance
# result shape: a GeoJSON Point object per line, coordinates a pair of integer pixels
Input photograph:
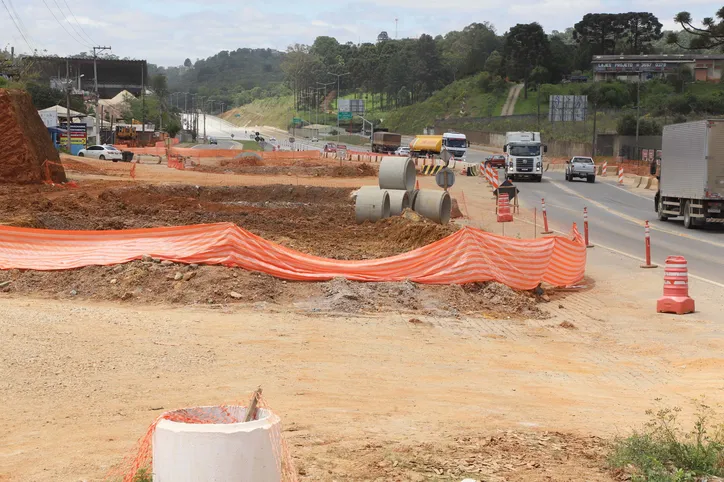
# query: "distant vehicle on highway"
{"type": "Point", "coordinates": [272, 139]}
{"type": "Point", "coordinates": [497, 161]}
{"type": "Point", "coordinates": [341, 147]}
{"type": "Point", "coordinates": [102, 152]}
{"type": "Point", "coordinates": [386, 142]}
{"type": "Point", "coordinates": [330, 147]}
{"type": "Point", "coordinates": [314, 139]}
{"type": "Point", "coordinates": [213, 141]}
{"type": "Point", "coordinates": [581, 167]}
{"type": "Point", "coordinates": [403, 151]}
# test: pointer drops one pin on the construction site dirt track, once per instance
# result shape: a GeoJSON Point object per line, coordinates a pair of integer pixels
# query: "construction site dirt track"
{"type": "Point", "coordinates": [315, 220]}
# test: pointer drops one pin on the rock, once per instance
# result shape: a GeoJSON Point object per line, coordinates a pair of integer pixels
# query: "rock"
{"type": "Point", "coordinates": [127, 296]}
{"type": "Point", "coordinates": [178, 277]}
{"type": "Point", "coordinates": [114, 281]}
{"type": "Point", "coordinates": [545, 298]}
{"type": "Point", "coordinates": [146, 258]}
{"type": "Point", "coordinates": [73, 292]}
{"type": "Point", "coordinates": [156, 260]}
{"type": "Point", "coordinates": [235, 295]}
{"type": "Point", "coordinates": [166, 262]}
{"type": "Point", "coordinates": [188, 276]}
{"type": "Point", "coordinates": [193, 266]}
{"type": "Point", "coordinates": [539, 291]}
{"type": "Point", "coordinates": [5, 283]}
{"type": "Point", "coordinates": [118, 268]}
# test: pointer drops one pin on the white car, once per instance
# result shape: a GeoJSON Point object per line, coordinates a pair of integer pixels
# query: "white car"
{"type": "Point", "coordinates": [102, 152]}
{"type": "Point", "coordinates": [273, 139]}
{"type": "Point", "coordinates": [314, 139]}
{"type": "Point", "coordinates": [403, 151]}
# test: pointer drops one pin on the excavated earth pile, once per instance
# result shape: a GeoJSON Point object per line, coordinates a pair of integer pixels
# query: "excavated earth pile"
{"type": "Point", "coordinates": [25, 144]}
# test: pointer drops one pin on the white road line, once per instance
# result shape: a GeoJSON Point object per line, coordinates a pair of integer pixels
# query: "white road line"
{"type": "Point", "coordinates": [623, 253]}
{"type": "Point", "coordinates": [631, 218]}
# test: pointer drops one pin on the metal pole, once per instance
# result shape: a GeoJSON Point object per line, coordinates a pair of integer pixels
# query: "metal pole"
{"type": "Point", "coordinates": [67, 105]}
{"type": "Point", "coordinates": [339, 76]}
{"type": "Point", "coordinates": [638, 115]}
{"type": "Point", "coordinates": [95, 81]}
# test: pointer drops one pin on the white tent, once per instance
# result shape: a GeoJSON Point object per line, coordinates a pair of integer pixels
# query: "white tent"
{"type": "Point", "coordinates": [61, 111]}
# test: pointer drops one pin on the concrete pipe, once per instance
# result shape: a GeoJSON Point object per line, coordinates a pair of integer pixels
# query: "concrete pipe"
{"type": "Point", "coordinates": [397, 173]}
{"type": "Point", "coordinates": [214, 445]}
{"type": "Point", "coordinates": [399, 201]}
{"type": "Point", "coordinates": [372, 204]}
{"type": "Point", "coordinates": [434, 205]}
{"type": "Point", "coordinates": [413, 196]}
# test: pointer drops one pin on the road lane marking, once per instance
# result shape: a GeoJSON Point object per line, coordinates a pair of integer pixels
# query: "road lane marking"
{"type": "Point", "coordinates": [628, 255]}
{"type": "Point", "coordinates": [631, 218]}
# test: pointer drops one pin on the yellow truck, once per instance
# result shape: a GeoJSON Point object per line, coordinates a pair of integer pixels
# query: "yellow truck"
{"type": "Point", "coordinates": [433, 145]}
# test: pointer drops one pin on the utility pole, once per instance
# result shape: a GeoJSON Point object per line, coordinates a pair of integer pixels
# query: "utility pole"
{"type": "Point", "coordinates": [338, 77]}
{"type": "Point", "coordinates": [638, 115]}
{"type": "Point", "coordinates": [95, 81]}
{"type": "Point", "coordinates": [68, 87]}
{"type": "Point", "coordinates": [396, 19]}
{"type": "Point", "coordinates": [143, 103]}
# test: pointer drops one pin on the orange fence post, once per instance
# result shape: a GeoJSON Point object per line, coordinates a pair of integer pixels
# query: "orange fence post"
{"type": "Point", "coordinates": [545, 218]}
{"type": "Point", "coordinates": [647, 236]}
{"type": "Point", "coordinates": [585, 227]}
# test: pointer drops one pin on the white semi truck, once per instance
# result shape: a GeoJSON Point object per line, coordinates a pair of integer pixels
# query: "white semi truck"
{"type": "Point", "coordinates": [524, 155]}
{"type": "Point", "coordinates": [691, 181]}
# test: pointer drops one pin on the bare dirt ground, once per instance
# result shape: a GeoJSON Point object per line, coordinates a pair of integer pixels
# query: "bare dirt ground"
{"type": "Point", "coordinates": [373, 382]}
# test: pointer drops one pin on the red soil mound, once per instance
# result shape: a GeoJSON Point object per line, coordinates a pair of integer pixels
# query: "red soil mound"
{"type": "Point", "coordinates": [25, 143]}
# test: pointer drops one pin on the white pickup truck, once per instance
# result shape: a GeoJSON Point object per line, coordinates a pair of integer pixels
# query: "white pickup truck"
{"type": "Point", "coordinates": [582, 168]}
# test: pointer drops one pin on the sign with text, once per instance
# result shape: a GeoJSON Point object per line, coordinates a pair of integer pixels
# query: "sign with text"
{"type": "Point", "coordinates": [344, 116]}
{"type": "Point", "coordinates": [356, 106]}
{"type": "Point", "coordinates": [78, 133]}
{"type": "Point", "coordinates": [567, 108]}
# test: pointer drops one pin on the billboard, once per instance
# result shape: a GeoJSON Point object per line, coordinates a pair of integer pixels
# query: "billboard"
{"type": "Point", "coordinates": [50, 119]}
{"type": "Point", "coordinates": [78, 136]}
{"type": "Point", "coordinates": [567, 108]}
{"type": "Point", "coordinates": [355, 106]}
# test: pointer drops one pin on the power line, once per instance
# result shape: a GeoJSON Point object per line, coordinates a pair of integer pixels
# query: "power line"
{"type": "Point", "coordinates": [20, 20]}
{"type": "Point", "coordinates": [16, 25]}
{"type": "Point", "coordinates": [79, 25]}
{"type": "Point", "coordinates": [69, 22]}
{"type": "Point", "coordinates": [63, 26]}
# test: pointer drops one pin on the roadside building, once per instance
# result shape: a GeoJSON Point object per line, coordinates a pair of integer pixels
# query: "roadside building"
{"type": "Point", "coordinates": [628, 68]}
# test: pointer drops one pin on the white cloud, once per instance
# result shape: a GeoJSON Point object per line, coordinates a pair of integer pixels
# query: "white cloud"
{"type": "Point", "coordinates": [149, 29]}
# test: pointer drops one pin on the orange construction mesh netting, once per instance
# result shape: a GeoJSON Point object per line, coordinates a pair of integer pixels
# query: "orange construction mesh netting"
{"type": "Point", "coordinates": [138, 465]}
{"type": "Point", "coordinates": [466, 256]}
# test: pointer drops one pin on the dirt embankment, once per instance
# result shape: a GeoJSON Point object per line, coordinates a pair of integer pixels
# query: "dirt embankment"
{"type": "Point", "coordinates": [314, 220]}
{"type": "Point", "coordinates": [302, 168]}
{"type": "Point", "coordinates": [25, 144]}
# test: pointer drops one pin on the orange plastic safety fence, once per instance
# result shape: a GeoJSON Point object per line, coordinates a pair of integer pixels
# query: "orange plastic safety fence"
{"type": "Point", "coordinates": [469, 255]}
{"type": "Point", "coordinates": [141, 460]}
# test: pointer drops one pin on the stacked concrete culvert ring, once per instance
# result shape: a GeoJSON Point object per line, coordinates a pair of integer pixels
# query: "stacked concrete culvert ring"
{"type": "Point", "coordinates": [434, 205]}
{"type": "Point", "coordinates": [397, 174]}
{"type": "Point", "coordinates": [372, 204]}
{"type": "Point", "coordinates": [399, 201]}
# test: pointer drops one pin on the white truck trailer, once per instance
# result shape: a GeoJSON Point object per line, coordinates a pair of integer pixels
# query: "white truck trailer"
{"type": "Point", "coordinates": [524, 155]}
{"type": "Point", "coordinates": [691, 181]}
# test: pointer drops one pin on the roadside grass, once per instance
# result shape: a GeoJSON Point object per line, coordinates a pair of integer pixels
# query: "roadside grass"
{"type": "Point", "coordinates": [250, 145]}
{"type": "Point", "coordinates": [664, 451]}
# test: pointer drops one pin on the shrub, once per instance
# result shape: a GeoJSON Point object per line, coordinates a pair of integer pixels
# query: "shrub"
{"type": "Point", "coordinates": [663, 452]}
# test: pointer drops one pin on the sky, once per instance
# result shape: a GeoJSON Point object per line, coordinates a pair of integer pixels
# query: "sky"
{"type": "Point", "coordinates": [151, 30]}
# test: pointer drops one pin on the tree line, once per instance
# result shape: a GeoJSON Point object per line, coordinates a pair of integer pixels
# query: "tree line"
{"type": "Point", "coordinates": [402, 72]}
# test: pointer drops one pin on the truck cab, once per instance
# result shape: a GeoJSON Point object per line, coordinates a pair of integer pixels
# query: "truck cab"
{"type": "Point", "coordinates": [524, 155]}
{"type": "Point", "coordinates": [456, 144]}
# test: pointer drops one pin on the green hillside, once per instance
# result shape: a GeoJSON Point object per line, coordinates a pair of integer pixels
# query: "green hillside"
{"type": "Point", "coordinates": [463, 98]}
{"type": "Point", "coordinates": [272, 111]}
